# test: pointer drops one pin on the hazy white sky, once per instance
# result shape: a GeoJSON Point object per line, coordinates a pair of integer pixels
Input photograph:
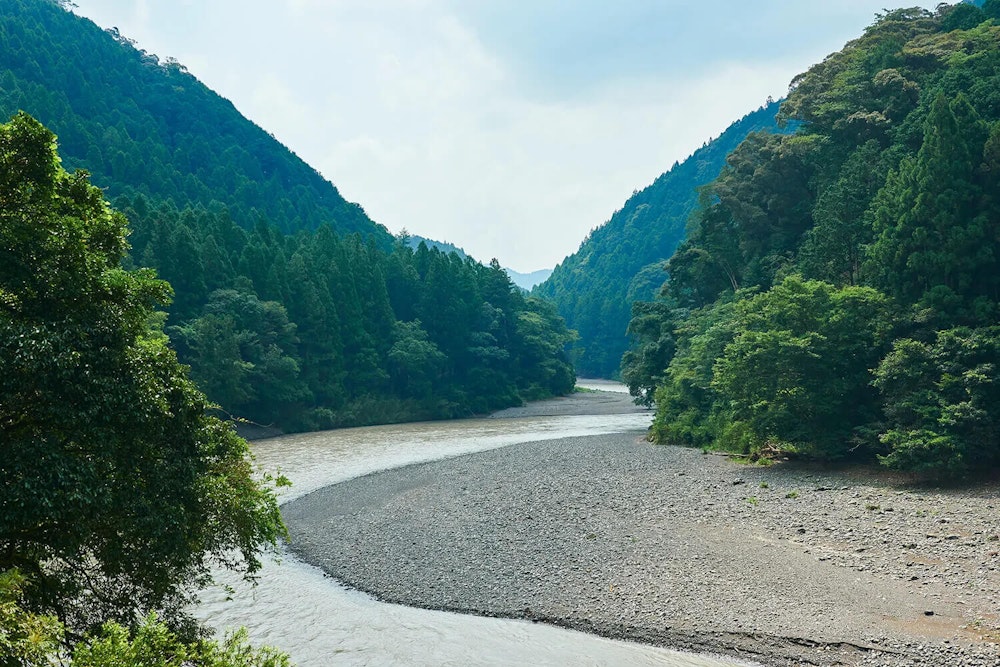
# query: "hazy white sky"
{"type": "Point", "coordinates": [510, 128]}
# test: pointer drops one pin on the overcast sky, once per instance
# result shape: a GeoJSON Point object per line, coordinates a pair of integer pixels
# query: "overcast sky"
{"type": "Point", "coordinates": [510, 128]}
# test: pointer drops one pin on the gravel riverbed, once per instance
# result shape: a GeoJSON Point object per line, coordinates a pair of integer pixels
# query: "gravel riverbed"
{"type": "Point", "coordinates": [785, 565]}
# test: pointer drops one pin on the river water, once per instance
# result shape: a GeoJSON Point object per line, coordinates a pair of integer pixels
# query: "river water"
{"type": "Point", "coordinates": [319, 622]}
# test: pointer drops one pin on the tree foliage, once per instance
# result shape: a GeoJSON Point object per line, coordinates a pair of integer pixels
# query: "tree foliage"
{"type": "Point", "coordinates": [29, 639]}
{"type": "Point", "coordinates": [119, 490]}
{"type": "Point", "coordinates": [837, 293]}
{"type": "Point", "coordinates": [796, 371]}
{"type": "Point", "coordinates": [143, 124]}
{"type": "Point", "coordinates": [942, 401]}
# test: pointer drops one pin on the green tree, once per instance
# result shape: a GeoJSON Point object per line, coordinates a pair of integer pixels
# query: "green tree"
{"type": "Point", "coordinates": [932, 242]}
{"type": "Point", "coordinates": [26, 638]}
{"type": "Point", "coordinates": [154, 645]}
{"type": "Point", "coordinates": [30, 639]}
{"type": "Point", "coordinates": [644, 366]}
{"type": "Point", "coordinates": [688, 412]}
{"type": "Point", "coordinates": [797, 370]}
{"type": "Point", "coordinates": [542, 337]}
{"type": "Point", "coordinates": [414, 361]}
{"type": "Point", "coordinates": [833, 249]}
{"type": "Point", "coordinates": [962, 16]}
{"type": "Point", "coordinates": [942, 402]}
{"type": "Point", "coordinates": [119, 490]}
{"type": "Point", "coordinates": [245, 350]}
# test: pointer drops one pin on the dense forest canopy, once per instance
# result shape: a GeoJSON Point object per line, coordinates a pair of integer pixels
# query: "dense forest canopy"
{"type": "Point", "coordinates": [839, 292]}
{"type": "Point", "coordinates": [142, 124]}
{"type": "Point", "coordinates": [292, 308]}
{"type": "Point", "coordinates": [622, 261]}
{"type": "Point", "coordinates": [313, 330]}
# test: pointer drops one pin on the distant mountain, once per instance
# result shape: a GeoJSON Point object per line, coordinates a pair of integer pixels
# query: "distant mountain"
{"type": "Point", "coordinates": [525, 281]}
{"type": "Point", "coordinates": [621, 261]}
{"type": "Point", "coordinates": [144, 125]}
{"type": "Point", "coordinates": [529, 280]}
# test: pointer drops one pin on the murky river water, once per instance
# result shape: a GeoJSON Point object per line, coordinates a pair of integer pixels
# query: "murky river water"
{"type": "Point", "coordinates": [319, 622]}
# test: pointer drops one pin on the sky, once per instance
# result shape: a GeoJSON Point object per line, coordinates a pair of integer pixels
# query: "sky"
{"type": "Point", "coordinates": [509, 128]}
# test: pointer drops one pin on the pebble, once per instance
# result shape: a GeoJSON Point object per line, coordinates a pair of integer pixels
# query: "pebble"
{"type": "Point", "coordinates": [599, 534]}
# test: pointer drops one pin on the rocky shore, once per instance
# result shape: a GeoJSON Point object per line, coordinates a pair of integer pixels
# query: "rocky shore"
{"type": "Point", "coordinates": [784, 565]}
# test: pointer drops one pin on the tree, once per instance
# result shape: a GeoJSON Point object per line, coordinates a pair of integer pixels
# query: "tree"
{"type": "Point", "coordinates": [414, 361]}
{"type": "Point", "coordinates": [834, 248]}
{"type": "Point", "coordinates": [644, 365]}
{"type": "Point", "coordinates": [244, 354]}
{"type": "Point", "coordinates": [687, 410]}
{"type": "Point", "coordinates": [932, 242]}
{"type": "Point", "coordinates": [962, 16]}
{"type": "Point", "coordinates": [119, 490]}
{"type": "Point", "coordinates": [942, 401]}
{"type": "Point", "coordinates": [28, 638]}
{"type": "Point", "coordinates": [797, 369]}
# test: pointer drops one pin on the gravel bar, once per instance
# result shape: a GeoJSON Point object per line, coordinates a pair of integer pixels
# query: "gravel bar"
{"type": "Point", "coordinates": [784, 565]}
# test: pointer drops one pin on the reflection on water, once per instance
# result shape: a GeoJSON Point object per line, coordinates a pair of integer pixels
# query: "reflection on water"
{"type": "Point", "coordinates": [319, 622]}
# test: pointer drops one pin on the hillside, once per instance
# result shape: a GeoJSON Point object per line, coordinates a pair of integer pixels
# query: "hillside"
{"type": "Point", "coordinates": [622, 260]}
{"type": "Point", "coordinates": [290, 306]}
{"type": "Point", "coordinates": [838, 295]}
{"type": "Point", "coordinates": [144, 125]}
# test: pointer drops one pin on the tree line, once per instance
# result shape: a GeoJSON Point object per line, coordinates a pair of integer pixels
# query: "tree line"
{"type": "Point", "coordinates": [839, 292]}
{"type": "Point", "coordinates": [313, 330]}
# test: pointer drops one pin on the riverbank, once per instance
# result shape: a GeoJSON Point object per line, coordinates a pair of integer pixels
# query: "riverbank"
{"type": "Point", "coordinates": [668, 546]}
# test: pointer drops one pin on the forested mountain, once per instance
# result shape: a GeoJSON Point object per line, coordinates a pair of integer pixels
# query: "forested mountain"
{"type": "Point", "coordinates": [622, 261]}
{"type": "Point", "coordinates": [291, 307]}
{"type": "Point", "coordinates": [523, 280]}
{"type": "Point", "coordinates": [529, 280]}
{"type": "Point", "coordinates": [838, 295]}
{"type": "Point", "coordinates": [140, 124]}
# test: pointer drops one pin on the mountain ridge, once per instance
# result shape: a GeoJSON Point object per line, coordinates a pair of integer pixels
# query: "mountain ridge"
{"type": "Point", "coordinates": [142, 125]}
{"type": "Point", "coordinates": [621, 261]}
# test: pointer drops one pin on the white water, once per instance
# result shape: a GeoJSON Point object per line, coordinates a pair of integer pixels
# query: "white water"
{"type": "Point", "coordinates": [296, 608]}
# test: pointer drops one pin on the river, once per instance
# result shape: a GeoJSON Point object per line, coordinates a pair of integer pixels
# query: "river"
{"type": "Point", "coordinates": [318, 622]}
